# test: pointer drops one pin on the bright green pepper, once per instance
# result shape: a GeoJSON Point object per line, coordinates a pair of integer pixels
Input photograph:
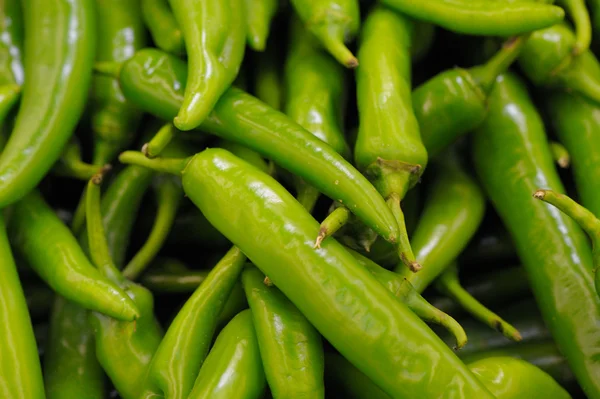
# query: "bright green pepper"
{"type": "Point", "coordinates": [162, 25]}
{"type": "Point", "coordinates": [553, 250]}
{"type": "Point", "coordinates": [59, 37]}
{"type": "Point", "coordinates": [20, 364]}
{"type": "Point", "coordinates": [233, 368]}
{"type": "Point", "coordinates": [259, 14]}
{"type": "Point", "coordinates": [290, 347]}
{"type": "Point", "coordinates": [215, 36]}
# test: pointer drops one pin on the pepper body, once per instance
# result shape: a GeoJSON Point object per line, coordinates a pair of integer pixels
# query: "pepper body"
{"type": "Point", "coordinates": [398, 351]}
{"type": "Point", "coordinates": [11, 45]}
{"type": "Point", "coordinates": [163, 27]}
{"type": "Point", "coordinates": [241, 118]}
{"type": "Point", "coordinates": [259, 14]}
{"type": "Point", "coordinates": [52, 101]}
{"type": "Point", "coordinates": [513, 160]}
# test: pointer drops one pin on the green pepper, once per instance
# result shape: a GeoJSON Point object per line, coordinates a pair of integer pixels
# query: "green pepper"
{"type": "Point", "coordinates": [163, 27]}
{"type": "Point", "coordinates": [481, 17]}
{"type": "Point", "coordinates": [259, 14]}
{"type": "Point", "coordinates": [333, 22]}
{"type": "Point", "coordinates": [20, 364]}
{"type": "Point", "coordinates": [115, 121]}
{"type": "Point", "coordinates": [11, 46]}
{"type": "Point", "coordinates": [290, 347]}
{"type": "Point", "coordinates": [241, 118]}
{"type": "Point", "coordinates": [59, 37]}
{"type": "Point", "coordinates": [214, 32]}
{"type": "Point", "coordinates": [512, 158]}
{"type": "Point", "coordinates": [510, 378]}
{"type": "Point", "coordinates": [233, 368]}
{"type": "Point", "coordinates": [398, 351]}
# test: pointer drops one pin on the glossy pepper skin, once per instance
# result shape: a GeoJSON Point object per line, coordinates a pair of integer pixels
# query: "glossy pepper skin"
{"type": "Point", "coordinates": [342, 291]}
{"type": "Point", "coordinates": [510, 378]}
{"type": "Point", "coordinates": [53, 252]}
{"type": "Point", "coordinates": [480, 17]}
{"type": "Point", "coordinates": [577, 125]}
{"type": "Point", "coordinates": [11, 45]}
{"type": "Point", "coordinates": [20, 366]}
{"type": "Point", "coordinates": [215, 38]}
{"type": "Point", "coordinates": [259, 14]}
{"type": "Point", "coordinates": [233, 368]}
{"type": "Point", "coordinates": [154, 81]}
{"type": "Point", "coordinates": [163, 27]}
{"type": "Point", "coordinates": [290, 347]}
{"type": "Point", "coordinates": [513, 160]}
{"type": "Point", "coordinates": [121, 33]}
{"type": "Point", "coordinates": [332, 22]}
{"type": "Point", "coordinates": [52, 101]}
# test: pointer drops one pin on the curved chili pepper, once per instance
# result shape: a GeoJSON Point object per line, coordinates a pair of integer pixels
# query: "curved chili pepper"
{"type": "Point", "coordinates": [509, 378]}
{"type": "Point", "coordinates": [11, 45]}
{"type": "Point", "coordinates": [163, 27]}
{"type": "Point", "coordinates": [214, 33]}
{"type": "Point", "coordinates": [388, 331]}
{"type": "Point", "coordinates": [233, 368]}
{"type": "Point", "coordinates": [333, 22]}
{"type": "Point", "coordinates": [259, 14]}
{"type": "Point", "coordinates": [114, 120]}
{"type": "Point", "coordinates": [481, 17]}
{"type": "Point", "coordinates": [553, 250]}
{"type": "Point", "coordinates": [20, 365]}
{"type": "Point", "coordinates": [182, 351]}
{"type": "Point", "coordinates": [241, 118]}
{"type": "Point", "coordinates": [53, 252]}
{"type": "Point", "coordinates": [290, 347]}
{"type": "Point", "coordinates": [52, 100]}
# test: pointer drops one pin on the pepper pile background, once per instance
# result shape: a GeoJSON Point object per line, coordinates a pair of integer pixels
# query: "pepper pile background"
{"type": "Point", "coordinates": [262, 198]}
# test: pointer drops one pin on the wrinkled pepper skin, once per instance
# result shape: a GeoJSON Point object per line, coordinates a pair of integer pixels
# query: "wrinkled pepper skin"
{"type": "Point", "coordinates": [121, 33]}
{"type": "Point", "coordinates": [577, 125]}
{"type": "Point", "coordinates": [52, 101]}
{"type": "Point", "coordinates": [510, 378]}
{"type": "Point", "coordinates": [513, 160]}
{"type": "Point", "coordinates": [290, 347]}
{"type": "Point", "coordinates": [398, 351]}
{"type": "Point", "coordinates": [155, 80]}
{"type": "Point", "coordinates": [11, 45]}
{"type": "Point", "coordinates": [20, 366]}
{"type": "Point", "coordinates": [233, 368]}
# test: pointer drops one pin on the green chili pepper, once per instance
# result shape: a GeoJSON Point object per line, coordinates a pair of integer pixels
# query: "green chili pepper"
{"type": "Point", "coordinates": [214, 33]}
{"type": "Point", "coordinates": [241, 118]}
{"type": "Point", "coordinates": [454, 102]}
{"type": "Point", "coordinates": [62, 37]}
{"type": "Point", "coordinates": [268, 85]}
{"type": "Point", "coordinates": [547, 60]}
{"type": "Point", "coordinates": [20, 364]}
{"type": "Point", "coordinates": [481, 17]}
{"type": "Point", "coordinates": [11, 45]}
{"type": "Point", "coordinates": [342, 292]}
{"type": "Point", "coordinates": [71, 369]}
{"type": "Point", "coordinates": [163, 27]}
{"type": "Point", "coordinates": [115, 121]}
{"type": "Point", "coordinates": [560, 154]}
{"type": "Point", "coordinates": [53, 252]}
{"type": "Point", "coordinates": [182, 351]}
{"type": "Point", "coordinates": [259, 14]}
{"type": "Point", "coordinates": [388, 147]}
{"type": "Point", "coordinates": [333, 22]}
{"type": "Point", "coordinates": [576, 123]}
{"type": "Point", "coordinates": [233, 368]}
{"type": "Point", "coordinates": [510, 378]}
{"type": "Point", "coordinates": [290, 347]}
{"type": "Point", "coordinates": [553, 251]}
{"type": "Point", "coordinates": [349, 381]}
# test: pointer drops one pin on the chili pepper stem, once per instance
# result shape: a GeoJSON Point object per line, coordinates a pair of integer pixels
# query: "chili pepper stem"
{"type": "Point", "coordinates": [166, 165]}
{"type": "Point", "coordinates": [157, 144]}
{"type": "Point", "coordinates": [108, 68]}
{"type": "Point", "coordinates": [449, 284]}
{"type": "Point", "coordinates": [332, 223]}
{"type": "Point", "coordinates": [583, 25]}
{"type": "Point", "coordinates": [332, 38]}
{"type": "Point", "coordinates": [580, 77]}
{"type": "Point", "coordinates": [405, 251]}
{"type": "Point", "coordinates": [560, 154]}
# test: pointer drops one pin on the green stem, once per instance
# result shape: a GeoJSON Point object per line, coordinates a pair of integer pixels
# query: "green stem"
{"type": "Point", "coordinates": [405, 251]}
{"type": "Point", "coordinates": [166, 165]}
{"type": "Point", "coordinates": [108, 68]}
{"type": "Point", "coordinates": [332, 38]}
{"type": "Point", "coordinates": [161, 139]}
{"type": "Point", "coordinates": [583, 25]}
{"type": "Point", "coordinates": [332, 223]}
{"type": "Point", "coordinates": [560, 154]}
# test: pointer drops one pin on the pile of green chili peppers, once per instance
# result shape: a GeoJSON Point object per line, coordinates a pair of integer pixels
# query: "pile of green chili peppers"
{"type": "Point", "coordinates": [247, 199]}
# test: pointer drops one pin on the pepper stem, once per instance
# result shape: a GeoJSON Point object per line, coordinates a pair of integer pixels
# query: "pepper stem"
{"type": "Point", "coordinates": [161, 139]}
{"type": "Point", "coordinates": [581, 75]}
{"type": "Point", "coordinates": [108, 68]}
{"type": "Point", "coordinates": [166, 165]}
{"type": "Point", "coordinates": [332, 223]}
{"type": "Point", "coordinates": [583, 26]}
{"type": "Point", "coordinates": [560, 154]}
{"type": "Point", "coordinates": [405, 251]}
{"type": "Point", "coordinates": [331, 36]}
{"type": "Point", "coordinates": [449, 284]}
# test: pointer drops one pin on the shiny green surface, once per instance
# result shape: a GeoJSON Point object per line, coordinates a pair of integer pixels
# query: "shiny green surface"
{"type": "Point", "coordinates": [155, 80]}
{"type": "Point", "coordinates": [163, 27]}
{"type": "Point", "coordinates": [259, 14]}
{"type": "Point", "coordinates": [215, 38]}
{"type": "Point", "coordinates": [121, 33]}
{"type": "Point", "coordinates": [481, 17]}
{"type": "Point", "coordinates": [53, 252]}
{"type": "Point", "coordinates": [513, 160]}
{"type": "Point", "coordinates": [19, 364]}
{"type": "Point", "coordinates": [510, 378]}
{"type": "Point", "coordinates": [290, 347]}
{"type": "Point", "coordinates": [398, 351]}
{"type": "Point", "coordinates": [59, 36]}
{"type": "Point", "coordinates": [233, 368]}
{"type": "Point", "coordinates": [11, 43]}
